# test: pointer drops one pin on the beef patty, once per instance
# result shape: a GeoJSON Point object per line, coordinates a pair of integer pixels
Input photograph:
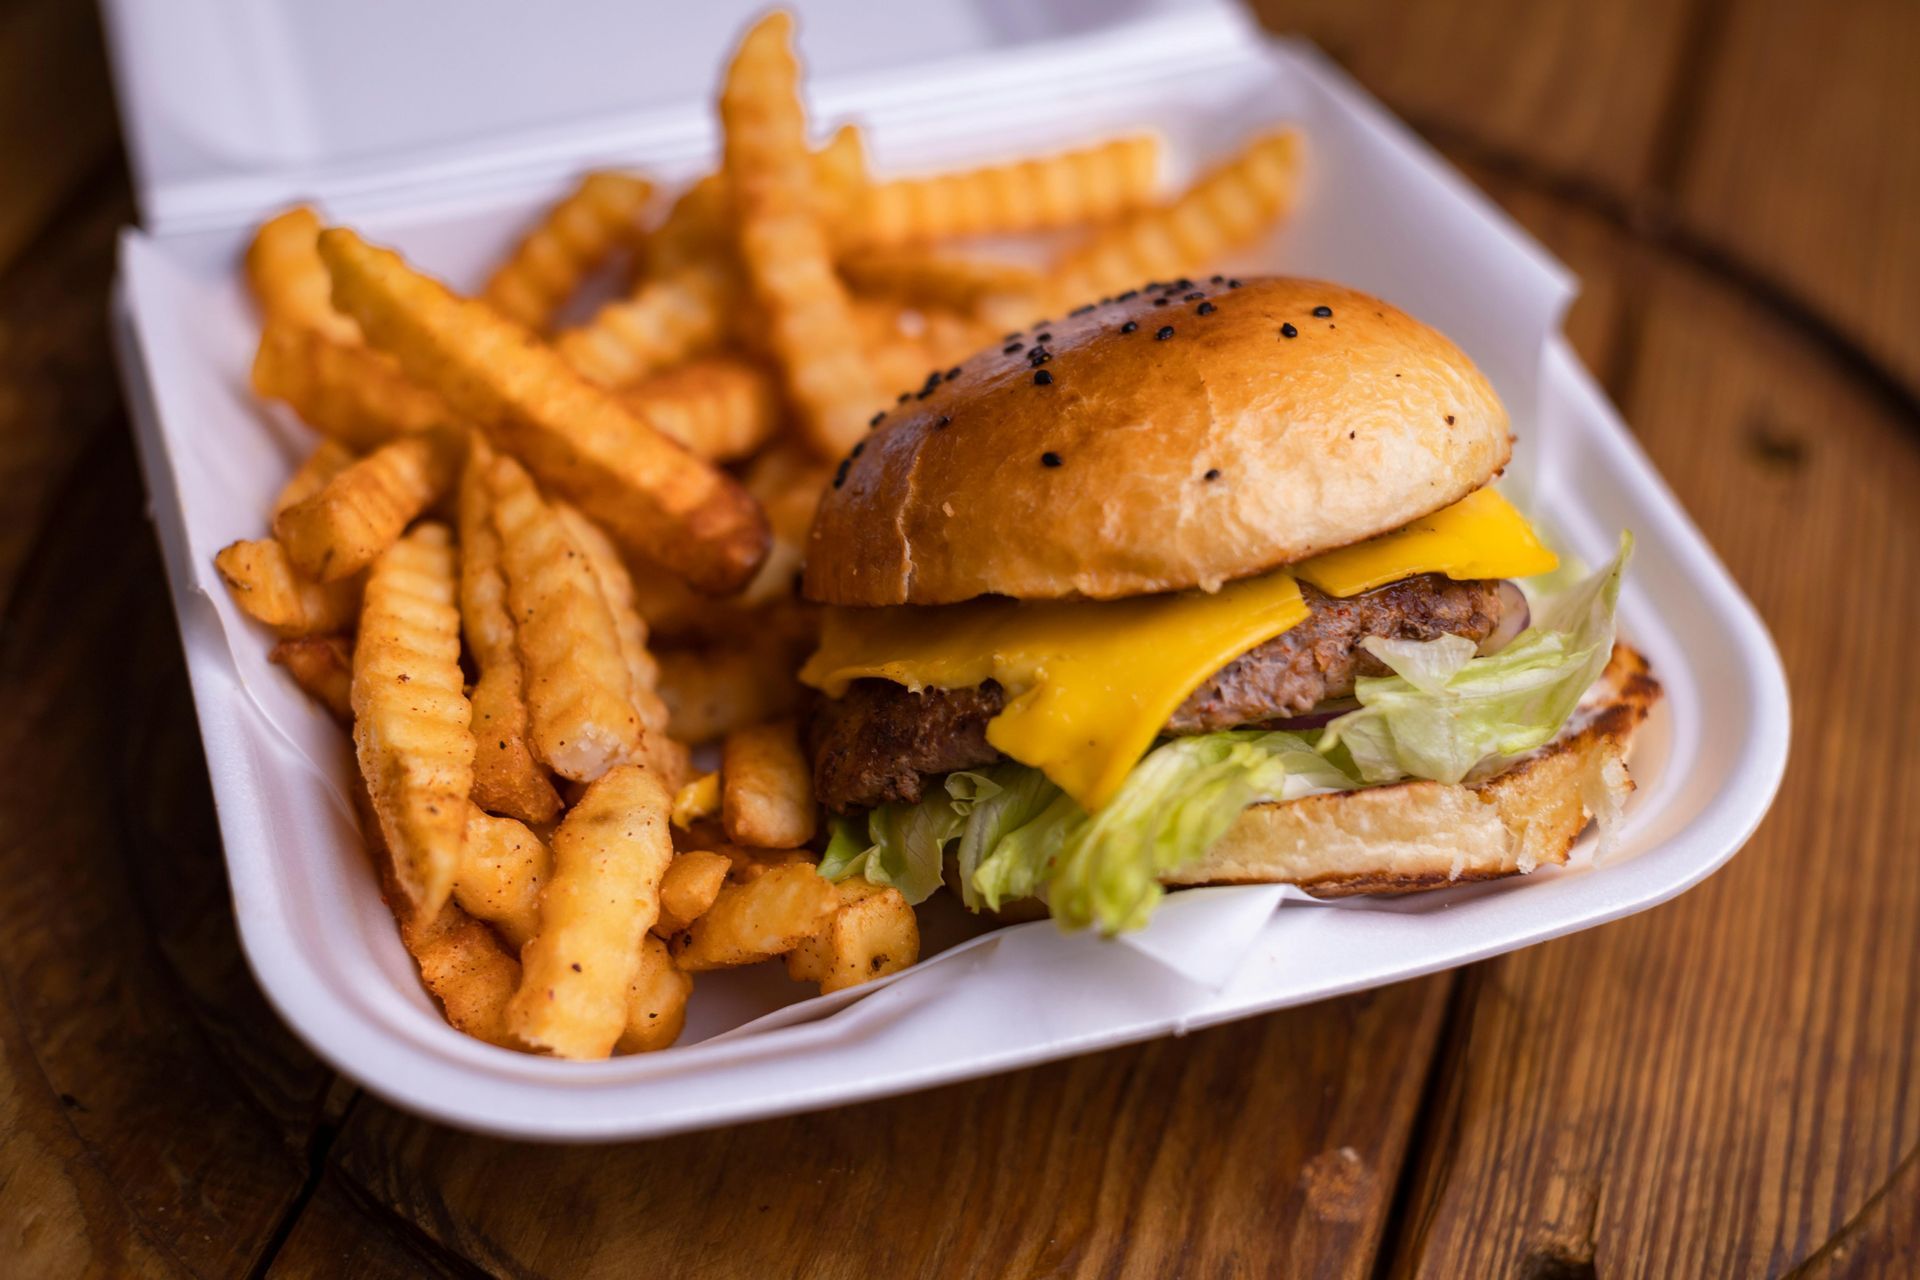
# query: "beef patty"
{"type": "Point", "coordinates": [880, 742]}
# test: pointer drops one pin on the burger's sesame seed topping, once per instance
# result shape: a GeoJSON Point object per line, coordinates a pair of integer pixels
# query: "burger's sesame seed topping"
{"type": "Point", "coordinates": [1151, 285]}
{"type": "Point", "coordinates": [1105, 302]}
{"type": "Point", "coordinates": [1044, 337]}
{"type": "Point", "coordinates": [1041, 378]}
{"type": "Point", "coordinates": [1213, 473]}
{"type": "Point", "coordinates": [953, 373]}
{"type": "Point", "coordinates": [942, 421]}
{"type": "Point", "coordinates": [1081, 311]}
{"type": "Point", "coordinates": [877, 418]}
{"type": "Point", "coordinates": [1159, 302]}
{"type": "Point", "coordinates": [1233, 284]}
{"type": "Point", "coordinates": [859, 447]}
{"type": "Point", "coordinates": [1166, 331]}
{"type": "Point", "coordinates": [1129, 326]}
{"type": "Point", "coordinates": [840, 473]}
{"type": "Point", "coordinates": [1195, 296]}
{"type": "Point", "coordinates": [1129, 295]}
{"type": "Point", "coordinates": [1219, 280]}
{"type": "Point", "coordinates": [1323, 312]}
{"type": "Point", "coordinates": [1039, 356]}
{"type": "Point", "coordinates": [1288, 331]}
{"type": "Point", "coordinates": [1050, 459]}
{"type": "Point", "coordinates": [1012, 337]}
{"type": "Point", "coordinates": [1041, 324]}
{"type": "Point", "coordinates": [1204, 309]}
{"type": "Point", "coordinates": [1013, 349]}
{"type": "Point", "coordinates": [905, 396]}
{"type": "Point", "coordinates": [923, 393]}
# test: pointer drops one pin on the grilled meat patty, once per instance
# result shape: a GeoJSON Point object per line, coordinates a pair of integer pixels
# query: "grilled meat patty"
{"type": "Point", "coordinates": [880, 742]}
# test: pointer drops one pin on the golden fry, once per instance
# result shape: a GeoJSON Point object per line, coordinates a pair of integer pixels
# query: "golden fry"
{"type": "Point", "coordinates": [1225, 209]}
{"type": "Point", "coordinates": [577, 682]}
{"type": "Point", "coordinates": [874, 933]}
{"type": "Point", "coordinates": [468, 970]}
{"type": "Point", "coordinates": [361, 511]}
{"type": "Point", "coordinates": [571, 239]}
{"type": "Point", "coordinates": [657, 751]}
{"type": "Point", "coordinates": [1094, 184]}
{"type": "Point", "coordinates": [657, 500]}
{"type": "Point", "coordinates": [609, 854]}
{"type": "Point", "coordinates": [411, 717]}
{"type": "Point", "coordinates": [691, 884]}
{"type": "Point", "coordinates": [311, 476]}
{"type": "Point", "coordinates": [766, 787]}
{"type": "Point", "coordinates": [668, 320]}
{"type": "Point", "coordinates": [1000, 292]}
{"type": "Point", "coordinates": [788, 483]}
{"type": "Point", "coordinates": [721, 408]}
{"type": "Point", "coordinates": [289, 283]}
{"type": "Point", "coordinates": [271, 591]}
{"type": "Point", "coordinates": [501, 874]}
{"type": "Point", "coordinates": [323, 668]}
{"type": "Point", "coordinates": [711, 692]}
{"type": "Point", "coordinates": [656, 1001]}
{"type": "Point", "coordinates": [784, 246]}
{"type": "Point", "coordinates": [342, 389]}
{"type": "Point", "coordinates": [756, 921]}
{"type": "Point", "coordinates": [506, 777]}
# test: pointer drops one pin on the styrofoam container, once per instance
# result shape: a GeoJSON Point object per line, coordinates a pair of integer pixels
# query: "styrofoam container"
{"type": "Point", "coordinates": [1377, 211]}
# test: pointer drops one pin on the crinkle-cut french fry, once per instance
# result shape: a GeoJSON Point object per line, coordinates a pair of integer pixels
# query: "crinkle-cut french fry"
{"type": "Point", "coordinates": [344, 390]}
{"type": "Point", "coordinates": [905, 345]}
{"type": "Point", "coordinates": [602, 897]}
{"type": "Point", "coordinates": [711, 692]}
{"type": "Point", "coordinates": [323, 668]}
{"type": "Point", "coordinates": [1002, 292]}
{"type": "Point", "coordinates": [272, 592]}
{"type": "Point", "coordinates": [668, 319]}
{"type": "Point", "coordinates": [288, 281]}
{"type": "Point", "coordinates": [1227, 208]}
{"type": "Point", "coordinates": [757, 920]}
{"type": "Point", "coordinates": [411, 718]}
{"type": "Point", "coordinates": [577, 683]}
{"type": "Point", "coordinates": [1093, 184]}
{"type": "Point", "coordinates": [569, 242]}
{"type": "Point", "coordinates": [359, 513]}
{"type": "Point", "coordinates": [312, 475]}
{"type": "Point", "coordinates": [507, 779]}
{"type": "Point", "coordinates": [691, 884]}
{"type": "Point", "coordinates": [659, 501]}
{"type": "Point", "coordinates": [784, 246]}
{"type": "Point", "coordinates": [721, 408]}
{"type": "Point", "coordinates": [788, 483]}
{"type": "Point", "coordinates": [468, 969]}
{"type": "Point", "coordinates": [656, 1001]}
{"type": "Point", "coordinates": [766, 787]}
{"type": "Point", "coordinates": [657, 751]}
{"type": "Point", "coordinates": [874, 933]}
{"type": "Point", "coordinates": [502, 871]}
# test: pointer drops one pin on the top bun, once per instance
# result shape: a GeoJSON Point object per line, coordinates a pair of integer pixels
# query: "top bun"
{"type": "Point", "coordinates": [1276, 419]}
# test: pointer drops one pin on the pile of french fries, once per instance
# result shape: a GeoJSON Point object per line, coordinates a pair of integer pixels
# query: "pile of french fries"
{"type": "Point", "coordinates": [533, 562]}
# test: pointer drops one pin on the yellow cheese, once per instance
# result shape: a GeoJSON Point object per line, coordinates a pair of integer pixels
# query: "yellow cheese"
{"type": "Point", "coordinates": [1480, 536]}
{"type": "Point", "coordinates": [1090, 683]}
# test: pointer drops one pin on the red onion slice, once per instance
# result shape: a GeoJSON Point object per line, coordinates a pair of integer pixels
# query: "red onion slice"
{"type": "Point", "coordinates": [1514, 617]}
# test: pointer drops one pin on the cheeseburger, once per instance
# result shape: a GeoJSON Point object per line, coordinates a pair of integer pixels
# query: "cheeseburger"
{"type": "Point", "coordinates": [1204, 583]}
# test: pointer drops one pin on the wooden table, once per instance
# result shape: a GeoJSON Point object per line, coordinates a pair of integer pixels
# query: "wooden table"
{"type": "Point", "coordinates": [1724, 1086]}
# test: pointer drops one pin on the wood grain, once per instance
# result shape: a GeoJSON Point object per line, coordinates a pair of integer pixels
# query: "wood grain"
{"type": "Point", "coordinates": [1723, 1085]}
{"type": "Point", "coordinates": [335, 1235]}
{"type": "Point", "coordinates": [1214, 1155]}
{"type": "Point", "coordinates": [153, 1115]}
{"type": "Point", "coordinates": [1805, 163]}
{"type": "Point", "coordinates": [56, 112]}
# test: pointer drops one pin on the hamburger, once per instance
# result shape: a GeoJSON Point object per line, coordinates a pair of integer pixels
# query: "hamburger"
{"type": "Point", "coordinates": [1204, 583]}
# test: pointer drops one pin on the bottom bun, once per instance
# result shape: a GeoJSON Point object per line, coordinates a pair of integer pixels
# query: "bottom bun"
{"type": "Point", "coordinates": [1427, 835]}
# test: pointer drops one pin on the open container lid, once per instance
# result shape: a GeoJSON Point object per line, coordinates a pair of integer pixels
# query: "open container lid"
{"type": "Point", "coordinates": [232, 107]}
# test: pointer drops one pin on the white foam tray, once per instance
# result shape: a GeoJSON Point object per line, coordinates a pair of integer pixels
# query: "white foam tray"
{"type": "Point", "coordinates": [1379, 211]}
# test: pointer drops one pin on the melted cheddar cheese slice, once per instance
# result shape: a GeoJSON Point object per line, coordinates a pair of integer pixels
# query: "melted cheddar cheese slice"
{"type": "Point", "coordinates": [1091, 682]}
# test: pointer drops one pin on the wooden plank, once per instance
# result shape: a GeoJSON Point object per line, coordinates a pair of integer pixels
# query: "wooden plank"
{"type": "Point", "coordinates": [1227, 1152]}
{"type": "Point", "coordinates": [1806, 163]}
{"type": "Point", "coordinates": [336, 1236]}
{"type": "Point", "coordinates": [56, 112]}
{"type": "Point", "coordinates": [153, 1115]}
{"type": "Point", "coordinates": [1723, 1086]}
{"type": "Point", "coordinates": [1572, 89]}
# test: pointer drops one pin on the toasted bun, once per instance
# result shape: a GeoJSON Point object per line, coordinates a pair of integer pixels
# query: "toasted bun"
{"type": "Point", "coordinates": [1152, 464]}
{"type": "Point", "coordinates": [1428, 835]}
